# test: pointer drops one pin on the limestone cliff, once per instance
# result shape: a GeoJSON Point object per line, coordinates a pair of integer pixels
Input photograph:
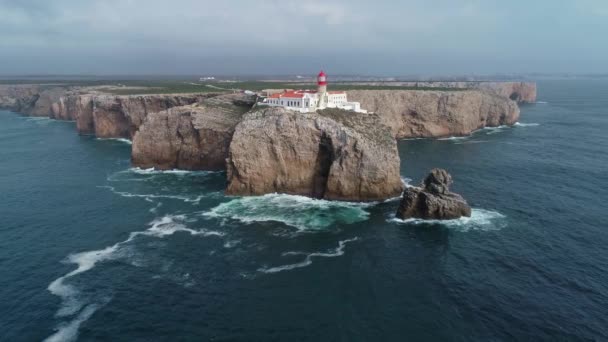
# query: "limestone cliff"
{"type": "Point", "coordinates": [421, 113]}
{"type": "Point", "coordinates": [521, 92]}
{"type": "Point", "coordinates": [111, 116]}
{"type": "Point", "coordinates": [332, 155]}
{"type": "Point", "coordinates": [18, 98]}
{"type": "Point", "coordinates": [195, 137]}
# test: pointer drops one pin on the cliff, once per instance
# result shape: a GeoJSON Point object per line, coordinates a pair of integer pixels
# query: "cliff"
{"type": "Point", "coordinates": [195, 137]}
{"type": "Point", "coordinates": [421, 113]}
{"type": "Point", "coordinates": [111, 116]}
{"type": "Point", "coordinates": [521, 92]}
{"type": "Point", "coordinates": [18, 98]}
{"type": "Point", "coordinates": [332, 155]}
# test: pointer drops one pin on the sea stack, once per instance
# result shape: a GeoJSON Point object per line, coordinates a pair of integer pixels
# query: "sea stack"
{"type": "Point", "coordinates": [433, 199]}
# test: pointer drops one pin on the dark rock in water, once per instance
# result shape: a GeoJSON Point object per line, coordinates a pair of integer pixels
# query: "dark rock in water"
{"type": "Point", "coordinates": [433, 200]}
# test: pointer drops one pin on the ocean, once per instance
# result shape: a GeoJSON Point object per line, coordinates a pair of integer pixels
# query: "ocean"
{"type": "Point", "coordinates": [94, 250]}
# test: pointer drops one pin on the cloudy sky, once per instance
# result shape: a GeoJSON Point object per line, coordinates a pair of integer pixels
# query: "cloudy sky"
{"type": "Point", "coordinates": [382, 37]}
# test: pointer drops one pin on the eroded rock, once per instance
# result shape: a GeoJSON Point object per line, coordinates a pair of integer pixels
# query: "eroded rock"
{"type": "Point", "coordinates": [433, 200]}
{"type": "Point", "coordinates": [195, 137]}
{"type": "Point", "coordinates": [332, 154]}
{"type": "Point", "coordinates": [430, 114]}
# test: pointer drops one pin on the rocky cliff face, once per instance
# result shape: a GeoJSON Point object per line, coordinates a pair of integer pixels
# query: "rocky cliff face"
{"type": "Point", "coordinates": [18, 98]}
{"type": "Point", "coordinates": [420, 113]}
{"type": "Point", "coordinates": [332, 155]}
{"type": "Point", "coordinates": [521, 92]}
{"type": "Point", "coordinates": [195, 137]}
{"type": "Point", "coordinates": [110, 116]}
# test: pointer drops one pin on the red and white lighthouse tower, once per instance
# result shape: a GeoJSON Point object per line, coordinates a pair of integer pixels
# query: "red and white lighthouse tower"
{"type": "Point", "coordinates": [322, 83]}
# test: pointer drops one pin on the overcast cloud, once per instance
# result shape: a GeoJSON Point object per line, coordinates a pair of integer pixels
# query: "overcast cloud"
{"type": "Point", "coordinates": [272, 37]}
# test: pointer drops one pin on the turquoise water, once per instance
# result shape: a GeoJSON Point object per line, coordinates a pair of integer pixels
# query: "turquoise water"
{"type": "Point", "coordinates": [91, 249]}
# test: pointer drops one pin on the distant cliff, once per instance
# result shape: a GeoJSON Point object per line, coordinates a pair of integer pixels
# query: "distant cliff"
{"type": "Point", "coordinates": [423, 113]}
{"type": "Point", "coordinates": [112, 116]}
{"type": "Point", "coordinates": [521, 92]}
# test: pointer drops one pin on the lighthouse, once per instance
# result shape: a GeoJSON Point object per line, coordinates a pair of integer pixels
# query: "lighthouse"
{"type": "Point", "coordinates": [306, 101]}
{"type": "Point", "coordinates": [322, 82]}
{"type": "Point", "coordinates": [322, 90]}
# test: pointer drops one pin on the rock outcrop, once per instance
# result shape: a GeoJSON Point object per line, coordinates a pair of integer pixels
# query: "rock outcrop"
{"type": "Point", "coordinates": [195, 137]}
{"type": "Point", "coordinates": [423, 113]}
{"type": "Point", "coordinates": [332, 154]}
{"type": "Point", "coordinates": [433, 200]}
{"type": "Point", "coordinates": [18, 98]}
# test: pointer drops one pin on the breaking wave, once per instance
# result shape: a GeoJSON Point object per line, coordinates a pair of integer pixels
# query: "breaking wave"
{"type": "Point", "coordinates": [494, 130]}
{"type": "Point", "coordinates": [453, 138]}
{"type": "Point", "coordinates": [122, 140]}
{"type": "Point", "coordinates": [480, 219]}
{"type": "Point", "coordinates": [153, 171]}
{"type": "Point", "coordinates": [300, 212]}
{"type": "Point", "coordinates": [308, 257]}
{"type": "Point", "coordinates": [520, 124]}
{"type": "Point", "coordinates": [74, 303]}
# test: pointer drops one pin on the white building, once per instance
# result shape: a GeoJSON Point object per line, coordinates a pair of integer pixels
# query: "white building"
{"type": "Point", "coordinates": [309, 100]}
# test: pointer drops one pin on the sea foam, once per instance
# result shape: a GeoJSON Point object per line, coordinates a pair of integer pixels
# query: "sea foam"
{"type": "Point", "coordinates": [480, 219]}
{"type": "Point", "coordinates": [122, 140]}
{"type": "Point", "coordinates": [72, 300]}
{"type": "Point", "coordinates": [301, 212]}
{"type": "Point", "coordinates": [531, 124]}
{"type": "Point", "coordinates": [308, 257]}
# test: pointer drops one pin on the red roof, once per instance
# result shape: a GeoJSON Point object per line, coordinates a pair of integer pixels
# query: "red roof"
{"type": "Point", "coordinates": [297, 94]}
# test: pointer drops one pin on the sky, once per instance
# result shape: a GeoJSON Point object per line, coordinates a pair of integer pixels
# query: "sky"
{"type": "Point", "coordinates": [381, 37]}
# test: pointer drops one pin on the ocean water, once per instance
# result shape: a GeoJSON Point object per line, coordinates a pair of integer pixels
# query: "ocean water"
{"type": "Point", "coordinates": [94, 250]}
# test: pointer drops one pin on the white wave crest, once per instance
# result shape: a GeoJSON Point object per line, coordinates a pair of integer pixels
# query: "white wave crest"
{"type": "Point", "coordinates": [480, 219]}
{"type": "Point", "coordinates": [72, 302]}
{"type": "Point", "coordinates": [151, 197]}
{"type": "Point", "coordinates": [122, 140]}
{"type": "Point", "coordinates": [301, 212]}
{"type": "Point", "coordinates": [541, 102]}
{"type": "Point", "coordinates": [308, 259]}
{"type": "Point", "coordinates": [153, 171]}
{"type": "Point", "coordinates": [454, 138]}
{"type": "Point", "coordinates": [494, 130]}
{"type": "Point", "coordinates": [531, 124]}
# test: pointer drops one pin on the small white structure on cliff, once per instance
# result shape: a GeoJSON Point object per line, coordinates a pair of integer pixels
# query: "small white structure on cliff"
{"type": "Point", "coordinates": [310, 100]}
